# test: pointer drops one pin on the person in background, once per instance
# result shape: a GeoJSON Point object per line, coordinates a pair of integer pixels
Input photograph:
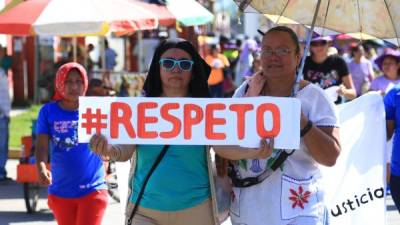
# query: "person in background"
{"type": "Point", "coordinates": [96, 87]}
{"type": "Point", "coordinates": [110, 63]}
{"type": "Point", "coordinates": [392, 109]}
{"type": "Point", "coordinates": [327, 71]}
{"type": "Point", "coordinates": [124, 87]}
{"type": "Point", "coordinates": [90, 63]}
{"type": "Point", "coordinates": [5, 59]}
{"type": "Point", "coordinates": [255, 67]}
{"type": "Point", "coordinates": [360, 69]}
{"type": "Point", "coordinates": [389, 64]}
{"type": "Point", "coordinates": [77, 189]}
{"type": "Point", "coordinates": [248, 47]}
{"type": "Point", "coordinates": [218, 63]}
{"type": "Point", "coordinates": [231, 51]}
{"type": "Point", "coordinates": [235, 59]}
{"type": "Point", "coordinates": [370, 52]}
{"type": "Point", "coordinates": [5, 108]}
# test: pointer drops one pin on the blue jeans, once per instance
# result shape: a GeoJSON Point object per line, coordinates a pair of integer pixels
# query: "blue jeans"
{"type": "Point", "coordinates": [216, 90]}
{"type": "Point", "coordinates": [4, 134]}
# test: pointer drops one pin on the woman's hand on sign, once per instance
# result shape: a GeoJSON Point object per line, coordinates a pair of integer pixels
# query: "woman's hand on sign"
{"type": "Point", "coordinates": [99, 144]}
{"type": "Point", "coordinates": [256, 84]}
{"type": "Point", "coordinates": [341, 90]}
{"type": "Point", "coordinates": [265, 149]}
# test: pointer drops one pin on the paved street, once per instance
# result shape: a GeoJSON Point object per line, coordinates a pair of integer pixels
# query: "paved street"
{"type": "Point", "coordinates": [13, 211]}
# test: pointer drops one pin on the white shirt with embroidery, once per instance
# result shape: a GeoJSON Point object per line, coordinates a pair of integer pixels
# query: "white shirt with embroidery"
{"type": "Point", "coordinates": [294, 193]}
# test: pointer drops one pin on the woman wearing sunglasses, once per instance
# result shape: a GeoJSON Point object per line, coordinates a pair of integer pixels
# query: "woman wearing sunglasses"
{"type": "Point", "coordinates": [328, 70]}
{"type": "Point", "coordinates": [179, 190]}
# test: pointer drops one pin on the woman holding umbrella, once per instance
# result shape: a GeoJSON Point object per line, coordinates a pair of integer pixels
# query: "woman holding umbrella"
{"type": "Point", "coordinates": [288, 190]}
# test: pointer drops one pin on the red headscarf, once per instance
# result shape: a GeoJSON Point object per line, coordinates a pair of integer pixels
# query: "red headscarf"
{"type": "Point", "coordinates": [61, 76]}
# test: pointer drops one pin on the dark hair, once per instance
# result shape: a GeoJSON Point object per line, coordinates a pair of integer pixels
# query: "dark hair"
{"type": "Point", "coordinates": [238, 42]}
{"type": "Point", "coordinates": [198, 86]}
{"type": "Point", "coordinates": [106, 43]}
{"type": "Point", "coordinates": [94, 82]}
{"type": "Point", "coordinates": [289, 31]}
{"type": "Point", "coordinates": [354, 49]}
{"type": "Point", "coordinates": [392, 57]}
{"type": "Point", "coordinates": [213, 47]}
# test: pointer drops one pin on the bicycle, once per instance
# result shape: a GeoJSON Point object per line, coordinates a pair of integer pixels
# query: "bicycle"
{"type": "Point", "coordinates": [27, 175]}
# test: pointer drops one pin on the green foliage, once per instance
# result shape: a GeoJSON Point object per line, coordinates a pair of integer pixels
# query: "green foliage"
{"type": "Point", "coordinates": [21, 125]}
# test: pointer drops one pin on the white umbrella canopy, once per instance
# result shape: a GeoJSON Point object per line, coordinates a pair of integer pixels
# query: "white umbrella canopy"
{"type": "Point", "coordinates": [322, 31]}
{"type": "Point", "coordinates": [74, 17]}
{"type": "Point", "coordinates": [355, 17]}
{"type": "Point", "coordinates": [94, 16]}
{"type": "Point", "coordinates": [362, 19]}
{"type": "Point", "coordinates": [189, 12]}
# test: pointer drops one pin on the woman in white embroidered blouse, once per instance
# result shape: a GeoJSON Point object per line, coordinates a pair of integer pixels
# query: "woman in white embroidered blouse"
{"type": "Point", "coordinates": [293, 193]}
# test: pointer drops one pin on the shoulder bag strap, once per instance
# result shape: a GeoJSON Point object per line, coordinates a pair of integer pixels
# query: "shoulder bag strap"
{"type": "Point", "coordinates": [158, 160]}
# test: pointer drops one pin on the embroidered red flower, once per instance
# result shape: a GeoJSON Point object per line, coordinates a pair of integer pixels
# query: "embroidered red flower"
{"type": "Point", "coordinates": [299, 198]}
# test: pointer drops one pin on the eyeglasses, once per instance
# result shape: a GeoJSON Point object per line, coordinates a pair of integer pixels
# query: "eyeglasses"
{"type": "Point", "coordinates": [278, 52]}
{"type": "Point", "coordinates": [169, 64]}
{"type": "Point", "coordinates": [318, 43]}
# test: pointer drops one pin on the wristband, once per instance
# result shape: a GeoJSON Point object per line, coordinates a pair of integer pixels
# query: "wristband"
{"type": "Point", "coordinates": [307, 128]}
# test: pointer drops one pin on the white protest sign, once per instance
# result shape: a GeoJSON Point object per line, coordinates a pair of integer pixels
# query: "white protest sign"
{"type": "Point", "coordinates": [356, 184]}
{"type": "Point", "coordinates": [332, 92]}
{"type": "Point", "coordinates": [195, 121]}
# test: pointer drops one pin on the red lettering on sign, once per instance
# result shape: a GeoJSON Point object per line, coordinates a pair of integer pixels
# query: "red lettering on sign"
{"type": "Point", "coordinates": [190, 120]}
{"type": "Point", "coordinates": [142, 120]}
{"type": "Point", "coordinates": [211, 121]}
{"type": "Point", "coordinates": [123, 119]}
{"type": "Point", "coordinates": [241, 110]}
{"type": "Point", "coordinates": [176, 123]}
{"type": "Point", "coordinates": [276, 118]}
